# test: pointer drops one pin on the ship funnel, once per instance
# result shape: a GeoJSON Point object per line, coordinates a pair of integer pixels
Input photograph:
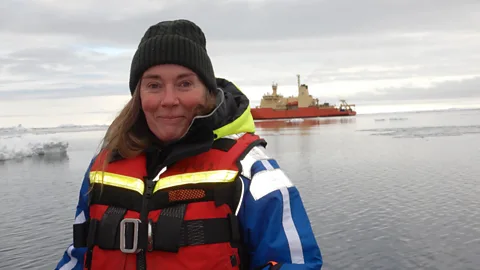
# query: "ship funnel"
{"type": "Point", "coordinates": [274, 88]}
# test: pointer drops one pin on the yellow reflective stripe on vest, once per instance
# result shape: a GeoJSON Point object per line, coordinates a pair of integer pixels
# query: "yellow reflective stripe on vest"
{"type": "Point", "coordinates": [220, 176]}
{"type": "Point", "coordinates": [117, 180]}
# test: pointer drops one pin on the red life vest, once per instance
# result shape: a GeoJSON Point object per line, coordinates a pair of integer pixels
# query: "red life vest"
{"type": "Point", "coordinates": [190, 209]}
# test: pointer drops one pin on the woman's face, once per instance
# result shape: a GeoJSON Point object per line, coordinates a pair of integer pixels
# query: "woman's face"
{"type": "Point", "coordinates": [171, 96]}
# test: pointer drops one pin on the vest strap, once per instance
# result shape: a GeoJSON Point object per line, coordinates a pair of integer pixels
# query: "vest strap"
{"type": "Point", "coordinates": [108, 227]}
{"type": "Point", "coordinates": [205, 231]}
{"type": "Point", "coordinates": [167, 232]}
{"type": "Point", "coordinates": [80, 233]}
{"type": "Point", "coordinates": [191, 233]}
{"type": "Point", "coordinates": [224, 144]}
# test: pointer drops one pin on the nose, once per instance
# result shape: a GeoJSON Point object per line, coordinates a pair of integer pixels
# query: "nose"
{"type": "Point", "coordinates": [169, 97]}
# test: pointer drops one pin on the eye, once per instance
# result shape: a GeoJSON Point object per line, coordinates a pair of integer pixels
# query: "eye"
{"type": "Point", "coordinates": [185, 84]}
{"type": "Point", "coordinates": [153, 85]}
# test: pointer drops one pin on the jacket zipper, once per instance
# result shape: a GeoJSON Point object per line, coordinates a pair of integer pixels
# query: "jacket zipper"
{"type": "Point", "coordinates": [141, 256]}
{"type": "Point", "coordinates": [149, 186]}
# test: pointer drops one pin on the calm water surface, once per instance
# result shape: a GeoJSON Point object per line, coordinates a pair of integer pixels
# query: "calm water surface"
{"type": "Point", "coordinates": [393, 191]}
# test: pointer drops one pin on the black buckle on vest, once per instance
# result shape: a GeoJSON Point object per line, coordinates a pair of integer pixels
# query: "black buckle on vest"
{"type": "Point", "coordinates": [123, 228]}
{"type": "Point", "coordinates": [150, 236]}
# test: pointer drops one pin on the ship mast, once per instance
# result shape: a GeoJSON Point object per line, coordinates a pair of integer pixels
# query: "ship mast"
{"type": "Point", "coordinates": [298, 85]}
{"type": "Point", "coordinates": [274, 89]}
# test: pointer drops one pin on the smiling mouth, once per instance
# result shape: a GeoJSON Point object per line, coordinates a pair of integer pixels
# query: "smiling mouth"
{"type": "Point", "coordinates": [169, 117]}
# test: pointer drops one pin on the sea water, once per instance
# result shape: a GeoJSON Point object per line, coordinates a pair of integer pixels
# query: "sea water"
{"type": "Point", "coordinates": [383, 191]}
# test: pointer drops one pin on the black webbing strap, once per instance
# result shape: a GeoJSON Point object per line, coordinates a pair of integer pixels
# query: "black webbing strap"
{"type": "Point", "coordinates": [168, 228]}
{"type": "Point", "coordinates": [206, 231]}
{"type": "Point", "coordinates": [224, 144]}
{"type": "Point", "coordinates": [169, 232]}
{"type": "Point", "coordinates": [107, 235]}
{"type": "Point", "coordinates": [80, 233]}
{"type": "Point", "coordinates": [223, 193]}
{"type": "Point", "coordinates": [103, 233]}
{"type": "Point", "coordinates": [192, 232]}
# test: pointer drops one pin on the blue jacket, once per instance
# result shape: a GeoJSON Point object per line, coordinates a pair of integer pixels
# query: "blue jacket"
{"type": "Point", "coordinates": [274, 221]}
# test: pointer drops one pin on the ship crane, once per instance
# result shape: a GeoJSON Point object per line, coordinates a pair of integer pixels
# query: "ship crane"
{"type": "Point", "coordinates": [344, 106]}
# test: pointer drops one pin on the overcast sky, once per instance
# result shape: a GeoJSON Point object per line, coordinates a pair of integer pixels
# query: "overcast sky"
{"type": "Point", "coordinates": [358, 50]}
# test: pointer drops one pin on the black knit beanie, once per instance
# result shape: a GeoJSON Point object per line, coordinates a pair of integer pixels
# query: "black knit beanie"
{"type": "Point", "coordinates": [179, 42]}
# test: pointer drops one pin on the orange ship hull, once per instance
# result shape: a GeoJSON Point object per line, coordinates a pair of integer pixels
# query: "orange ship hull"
{"type": "Point", "coordinates": [308, 112]}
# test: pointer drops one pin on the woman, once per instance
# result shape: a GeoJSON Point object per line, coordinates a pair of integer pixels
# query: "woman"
{"type": "Point", "coordinates": [181, 181]}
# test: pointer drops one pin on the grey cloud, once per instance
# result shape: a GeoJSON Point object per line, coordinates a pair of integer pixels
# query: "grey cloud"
{"type": "Point", "coordinates": [43, 54]}
{"type": "Point", "coordinates": [241, 19]}
{"type": "Point", "coordinates": [469, 88]}
{"type": "Point", "coordinates": [59, 91]}
{"type": "Point", "coordinates": [38, 62]}
{"type": "Point", "coordinates": [356, 58]}
{"type": "Point", "coordinates": [47, 72]}
{"type": "Point", "coordinates": [51, 44]}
